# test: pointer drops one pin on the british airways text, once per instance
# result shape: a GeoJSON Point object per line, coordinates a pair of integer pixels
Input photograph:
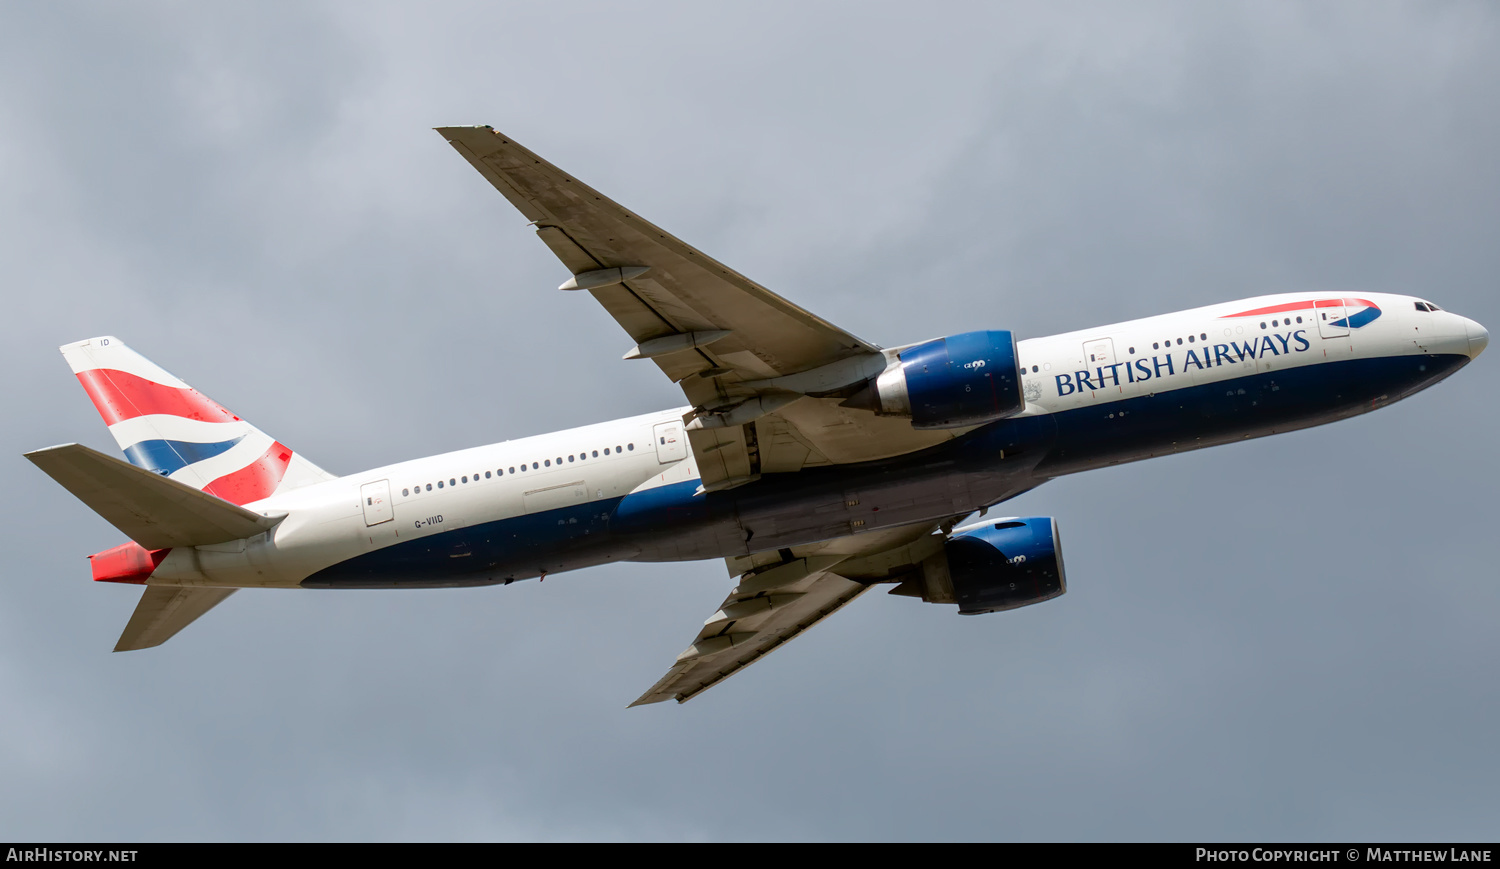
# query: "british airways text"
{"type": "Point", "coordinates": [1200, 358]}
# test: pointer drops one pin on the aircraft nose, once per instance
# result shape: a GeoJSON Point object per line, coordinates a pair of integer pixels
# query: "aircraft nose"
{"type": "Point", "coordinates": [1479, 338]}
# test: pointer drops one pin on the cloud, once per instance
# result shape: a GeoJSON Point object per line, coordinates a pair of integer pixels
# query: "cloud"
{"type": "Point", "coordinates": [1287, 638]}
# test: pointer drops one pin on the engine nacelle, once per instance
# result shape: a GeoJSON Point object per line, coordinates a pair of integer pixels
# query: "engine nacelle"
{"type": "Point", "coordinates": [1005, 564]}
{"type": "Point", "coordinates": [961, 380]}
{"type": "Point", "coordinates": [998, 565]}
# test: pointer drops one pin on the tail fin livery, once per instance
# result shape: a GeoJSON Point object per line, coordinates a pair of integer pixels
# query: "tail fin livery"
{"type": "Point", "coordinates": [169, 428]}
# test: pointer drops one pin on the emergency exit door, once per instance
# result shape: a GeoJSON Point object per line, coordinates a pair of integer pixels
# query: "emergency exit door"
{"type": "Point", "coordinates": [671, 442]}
{"type": "Point", "coordinates": [1332, 322]}
{"type": "Point", "coordinates": [1099, 359]}
{"type": "Point", "coordinates": [376, 500]}
{"type": "Point", "coordinates": [1100, 352]}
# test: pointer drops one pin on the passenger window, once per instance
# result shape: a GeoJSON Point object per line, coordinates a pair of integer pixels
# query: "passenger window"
{"type": "Point", "coordinates": [630, 446]}
{"type": "Point", "coordinates": [404, 493]}
{"type": "Point", "coordinates": [596, 454]}
{"type": "Point", "coordinates": [440, 484]}
{"type": "Point", "coordinates": [513, 470]}
{"type": "Point", "coordinates": [548, 463]}
{"type": "Point", "coordinates": [534, 466]}
{"type": "Point", "coordinates": [1299, 319]}
{"type": "Point", "coordinates": [1203, 336]}
{"type": "Point", "coordinates": [559, 460]}
{"type": "Point", "coordinates": [1155, 345]}
{"type": "Point", "coordinates": [606, 451]}
{"type": "Point", "coordinates": [486, 475]}
{"type": "Point", "coordinates": [1132, 353]}
{"type": "Point", "coordinates": [450, 482]}
{"type": "Point", "coordinates": [1263, 324]}
{"type": "Point", "coordinates": [1179, 342]}
{"type": "Point", "coordinates": [1190, 339]}
{"type": "Point", "coordinates": [617, 449]}
{"type": "Point", "coordinates": [429, 487]}
{"type": "Point", "coordinates": [466, 478]}
{"type": "Point", "coordinates": [570, 458]}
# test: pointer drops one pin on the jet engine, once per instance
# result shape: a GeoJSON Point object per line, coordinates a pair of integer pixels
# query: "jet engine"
{"type": "Point", "coordinates": [995, 566]}
{"type": "Point", "coordinates": [961, 380]}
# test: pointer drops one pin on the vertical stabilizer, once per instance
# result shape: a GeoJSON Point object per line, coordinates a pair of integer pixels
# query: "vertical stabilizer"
{"type": "Point", "coordinates": [169, 428]}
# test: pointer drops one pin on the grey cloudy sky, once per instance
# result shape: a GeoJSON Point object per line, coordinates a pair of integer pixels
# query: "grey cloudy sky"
{"type": "Point", "coordinates": [1292, 638]}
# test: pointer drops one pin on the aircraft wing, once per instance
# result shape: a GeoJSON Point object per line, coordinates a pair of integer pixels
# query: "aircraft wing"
{"type": "Point", "coordinates": [766, 378]}
{"type": "Point", "coordinates": [163, 611]}
{"type": "Point", "coordinates": [779, 597]}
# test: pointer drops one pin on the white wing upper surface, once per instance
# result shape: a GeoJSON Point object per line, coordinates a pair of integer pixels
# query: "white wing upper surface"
{"type": "Point", "coordinates": [715, 332]}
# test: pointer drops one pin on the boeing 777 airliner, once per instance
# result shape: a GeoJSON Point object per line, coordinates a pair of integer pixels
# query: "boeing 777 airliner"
{"type": "Point", "coordinates": [815, 463]}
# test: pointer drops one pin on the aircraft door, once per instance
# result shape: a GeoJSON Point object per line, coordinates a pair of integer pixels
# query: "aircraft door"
{"type": "Point", "coordinates": [1330, 312]}
{"type": "Point", "coordinates": [1333, 323]}
{"type": "Point", "coordinates": [375, 498]}
{"type": "Point", "coordinates": [671, 442]}
{"type": "Point", "coordinates": [1110, 379]}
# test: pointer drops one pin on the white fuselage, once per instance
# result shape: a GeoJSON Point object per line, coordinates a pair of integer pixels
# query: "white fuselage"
{"type": "Point", "coordinates": [334, 521]}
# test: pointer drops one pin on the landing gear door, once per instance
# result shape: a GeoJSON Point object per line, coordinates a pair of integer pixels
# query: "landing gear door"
{"type": "Point", "coordinates": [1332, 319]}
{"type": "Point", "coordinates": [375, 498]}
{"type": "Point", "coordinates": [671, 444]}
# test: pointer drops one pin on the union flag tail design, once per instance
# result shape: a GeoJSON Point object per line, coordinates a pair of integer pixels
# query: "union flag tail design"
{"type": "Point", "coordinates": [168, 427]}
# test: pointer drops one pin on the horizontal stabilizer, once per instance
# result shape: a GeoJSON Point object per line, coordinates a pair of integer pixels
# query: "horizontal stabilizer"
{"type": "Point", "coordinates": [163, 611]}
{"type": "Point", "coordinates": [154, 511]}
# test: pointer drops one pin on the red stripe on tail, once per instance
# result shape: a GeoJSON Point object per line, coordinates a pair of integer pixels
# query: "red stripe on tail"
{"type": "Point", "coordinates": [120, 395]}
{"type": "Point", "coordinates": [255, 481]}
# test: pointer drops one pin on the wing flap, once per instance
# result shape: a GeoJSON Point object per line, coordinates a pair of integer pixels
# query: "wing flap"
{"type": "Point", "coordinates": [163, 611]}
{"type": "Point", "coordinates": [152, 510]}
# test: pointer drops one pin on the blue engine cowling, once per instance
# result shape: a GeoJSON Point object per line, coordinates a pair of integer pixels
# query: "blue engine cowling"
{"type": "Point", "coordinates": [1006, 564]}
{"type": "Point", "coordinates": [961, 380]}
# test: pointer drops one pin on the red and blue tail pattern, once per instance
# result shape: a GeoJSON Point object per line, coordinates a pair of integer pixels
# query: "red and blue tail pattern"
{"type": "Point", "coordinates": [168, 427]}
